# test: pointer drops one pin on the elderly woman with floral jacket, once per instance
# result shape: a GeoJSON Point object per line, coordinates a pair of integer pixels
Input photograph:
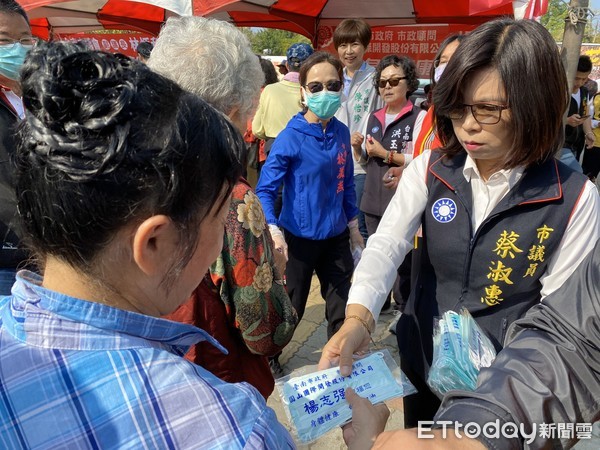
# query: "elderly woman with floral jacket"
{"type": "Point", "coordinates": [241, 301]}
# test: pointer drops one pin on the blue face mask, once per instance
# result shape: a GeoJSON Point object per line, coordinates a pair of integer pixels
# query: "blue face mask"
{"type": "Point", "coordinates": [323, 104]}
{"type": "Point", "coordinates": [11, 60]}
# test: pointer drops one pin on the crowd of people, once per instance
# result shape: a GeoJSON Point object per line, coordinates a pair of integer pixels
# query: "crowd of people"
{"type": "Point", "coordinates": [148, 289]}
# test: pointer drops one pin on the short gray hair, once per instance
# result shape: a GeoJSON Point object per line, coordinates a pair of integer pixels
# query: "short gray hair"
{"type": "Point", "coordinates": [212, 59]}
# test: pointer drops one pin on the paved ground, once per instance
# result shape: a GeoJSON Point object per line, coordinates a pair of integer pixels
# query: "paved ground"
{"type": "Point", "coordinates": [305, 349]}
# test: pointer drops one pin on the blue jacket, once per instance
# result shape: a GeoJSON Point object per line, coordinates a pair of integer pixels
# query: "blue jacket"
{"type": "Point", "coordinates": [316, 170]}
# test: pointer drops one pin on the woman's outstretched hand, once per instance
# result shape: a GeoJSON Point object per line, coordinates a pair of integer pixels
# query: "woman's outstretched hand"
{"type": "Point", "coordinates": [351, 338]}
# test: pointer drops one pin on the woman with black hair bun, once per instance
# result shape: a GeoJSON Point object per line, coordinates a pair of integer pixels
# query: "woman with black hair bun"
{"type": "Point", "coordinates": [123, 185]}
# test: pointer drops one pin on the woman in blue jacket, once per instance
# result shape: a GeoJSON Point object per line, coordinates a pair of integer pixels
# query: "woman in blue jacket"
{"type": "Point", "coordinates": [312, 157]}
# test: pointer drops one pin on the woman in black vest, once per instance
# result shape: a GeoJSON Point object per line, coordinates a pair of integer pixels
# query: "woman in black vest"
{"type": "Point", "coordinates": [504, 223]}
{"type": "Point", "coordinates": [389, 144]}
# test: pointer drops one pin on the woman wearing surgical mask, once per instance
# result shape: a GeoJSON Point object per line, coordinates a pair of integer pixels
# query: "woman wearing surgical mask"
{"type": "Point", "coordinates": [15, 41]}
{"type": "Point", "coordinates": [312, 158]}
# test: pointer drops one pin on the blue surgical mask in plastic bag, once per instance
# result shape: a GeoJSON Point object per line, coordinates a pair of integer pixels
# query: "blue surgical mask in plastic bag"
{"type": "Point", "coordinates": [460, 350]}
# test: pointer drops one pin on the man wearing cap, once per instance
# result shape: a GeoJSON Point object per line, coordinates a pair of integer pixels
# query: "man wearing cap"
{"type": "Point", "coordinates": [279, 102]}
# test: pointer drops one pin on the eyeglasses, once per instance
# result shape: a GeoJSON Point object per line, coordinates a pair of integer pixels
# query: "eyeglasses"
{"type": "Point", "coordinates": [483, 113]}
{"type": "Point", "coordinates": [25, 42]}
{"type": "Point", "coordinates": [392, 81]}
{"type": "Point", "coordinates": [317, 86]}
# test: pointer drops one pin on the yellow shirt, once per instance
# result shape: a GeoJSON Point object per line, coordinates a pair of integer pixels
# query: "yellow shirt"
{"type": "Point", "coordinates": [279, 102]}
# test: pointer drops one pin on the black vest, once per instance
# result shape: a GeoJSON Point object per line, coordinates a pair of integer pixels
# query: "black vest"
{"type": "Point", "coordinates": [376, 197]}
{"type": "Point", "coordinates": [574, 136]}
{"type": "Point", "coordinates": [493, 272]}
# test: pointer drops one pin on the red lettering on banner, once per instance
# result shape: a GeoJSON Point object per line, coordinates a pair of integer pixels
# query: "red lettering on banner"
{"type": "Point", "coordinates": [125, 43]}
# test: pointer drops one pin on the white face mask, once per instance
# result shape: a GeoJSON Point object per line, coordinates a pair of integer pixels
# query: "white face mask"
{"type": "Point", "coordinates": [439, 70]}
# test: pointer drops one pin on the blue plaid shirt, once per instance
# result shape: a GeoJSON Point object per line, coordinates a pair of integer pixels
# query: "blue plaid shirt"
{"type": "Point", "coordinates": [77, 374]}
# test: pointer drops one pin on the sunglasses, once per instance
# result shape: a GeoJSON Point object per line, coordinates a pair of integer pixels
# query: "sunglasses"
{"type": "Point", "coordinates": [393, 82]}
{"type": "Point", "coordinates": [316, 86]}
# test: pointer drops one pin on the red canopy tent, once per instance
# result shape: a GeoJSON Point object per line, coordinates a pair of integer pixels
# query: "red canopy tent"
{"type": "Point", "coordinates": [413, 28]}
{"type": "Point", "coordinates": [427, 21]}
{"type": "Point", "coordinates": [59, 17]}
{"type": "Point", "coordinates": [306, 16]}
{"type": "Point", "coordinates": [300, 16]}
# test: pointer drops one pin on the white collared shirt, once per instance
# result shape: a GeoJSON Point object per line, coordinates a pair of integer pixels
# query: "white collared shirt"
{"type": "Point", "coordinates": [376, 271]}
{"type": "Point", "coordinates": [487, 194]}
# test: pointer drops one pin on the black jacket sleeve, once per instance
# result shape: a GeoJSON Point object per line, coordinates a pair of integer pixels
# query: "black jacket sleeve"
{"type": "Point", "coordinates": [12, 254]}
{"type": "Point", "coordinates": [549, 371]}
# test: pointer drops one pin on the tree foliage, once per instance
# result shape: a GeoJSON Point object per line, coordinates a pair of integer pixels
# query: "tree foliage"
{"type": "Point", "coordinates": [554, 21]}
{"type": "Point", "coordinates": [269, 41]}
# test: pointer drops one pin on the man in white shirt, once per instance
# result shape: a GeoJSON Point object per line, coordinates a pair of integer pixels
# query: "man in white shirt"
{"type": "Point", "coordinates": [578, 130]}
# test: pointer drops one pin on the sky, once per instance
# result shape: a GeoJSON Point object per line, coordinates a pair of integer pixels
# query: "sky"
{"type": "Point", "coordinates": [595, 5]}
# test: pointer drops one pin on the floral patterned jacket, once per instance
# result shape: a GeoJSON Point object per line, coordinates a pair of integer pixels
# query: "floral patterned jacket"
{"type": "Point", "coordinates": [242, 301]}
